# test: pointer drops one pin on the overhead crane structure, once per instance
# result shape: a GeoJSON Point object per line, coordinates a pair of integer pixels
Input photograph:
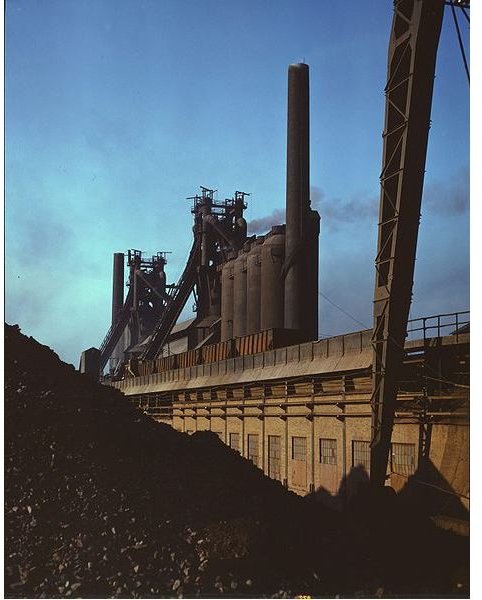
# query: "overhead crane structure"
{"type": "Point", "coordinates": [412, 55]}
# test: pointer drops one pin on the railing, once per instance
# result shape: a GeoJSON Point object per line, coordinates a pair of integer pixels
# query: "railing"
{"type": "Point", "coordinates": [352, 343]}
{"type": "Point", "coordinates": [438, 325]}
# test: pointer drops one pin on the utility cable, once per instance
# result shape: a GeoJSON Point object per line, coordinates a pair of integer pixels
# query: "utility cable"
{"type": "Point", "coordinates": [459, 37]}
{"type": "Point", "coordinates": [343, 311]}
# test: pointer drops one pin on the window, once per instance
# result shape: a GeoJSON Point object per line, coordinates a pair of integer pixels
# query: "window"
{"type": "Point", "coordinates": [298, 464]}
{"type": "Point", "coordinates": [298, 448]}
{"type": "Point", "coordinates": [253, 451]}
{"type": "Point", "coordinates": [274, 456]}
{"type": "Point", "coordinates": [361, 454]}
{"type": "Point", "coordinates": [403, 459]}
{"type": "Point", "coordinates": [234, 441]}
{"type": "Point", "coordinates": [327, 451]}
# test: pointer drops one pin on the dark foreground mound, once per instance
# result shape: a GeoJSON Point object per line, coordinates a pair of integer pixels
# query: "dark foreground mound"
{"type": "Point", "coordinates": [101, 501]}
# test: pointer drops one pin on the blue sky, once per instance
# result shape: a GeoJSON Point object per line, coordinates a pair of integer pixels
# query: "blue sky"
{"type": "Point", "coordinates": [118, 110]}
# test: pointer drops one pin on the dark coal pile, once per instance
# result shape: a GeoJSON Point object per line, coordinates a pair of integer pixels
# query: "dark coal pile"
{"type": "Point", "coordinates": [101, 501]}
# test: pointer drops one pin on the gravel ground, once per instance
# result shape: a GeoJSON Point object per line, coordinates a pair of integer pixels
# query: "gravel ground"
{"type": "Point", "coordinates": [101, 501]}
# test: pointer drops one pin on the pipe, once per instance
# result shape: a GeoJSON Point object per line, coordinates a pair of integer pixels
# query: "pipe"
{"type": "Point", "coordinates": [206, 237]}
{"type": "Point", "coordinates": [117, 285]}
{"type": "Point", "coordinates": [227, 301]}
{"type": "Point", "coordinates": [135, 284]}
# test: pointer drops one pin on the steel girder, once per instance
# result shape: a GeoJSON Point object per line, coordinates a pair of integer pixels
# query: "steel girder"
{"type": "Point", "coordinates": [411, 66]}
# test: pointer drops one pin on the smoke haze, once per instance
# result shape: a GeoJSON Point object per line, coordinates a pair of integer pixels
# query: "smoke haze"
{"type": "Point", "coordinates": [262, 225]}
{"type": "Point", "coordinates": [448, 198]}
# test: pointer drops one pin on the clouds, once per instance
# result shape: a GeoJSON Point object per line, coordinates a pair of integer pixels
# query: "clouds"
{"type": "Point", "coordinates": [443, 198]}
{"type": "Point", "coordinates": [278, 216]}
{"type": "Point", "coordinates": [334, 212]}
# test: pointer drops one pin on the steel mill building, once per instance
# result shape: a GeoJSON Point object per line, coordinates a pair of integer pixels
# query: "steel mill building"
{"type": "Point", "coordinates": [388, 404]}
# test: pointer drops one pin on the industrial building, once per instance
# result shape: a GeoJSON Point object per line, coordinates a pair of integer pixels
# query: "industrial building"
{"type": "Point", "coordinates": [389, 404]}
{"type": "Point", "coordinates": [302, 413]}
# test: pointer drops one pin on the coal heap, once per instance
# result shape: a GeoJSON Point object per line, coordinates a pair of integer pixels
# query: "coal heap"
{"type": "Point", "coordinates": [101, 501]}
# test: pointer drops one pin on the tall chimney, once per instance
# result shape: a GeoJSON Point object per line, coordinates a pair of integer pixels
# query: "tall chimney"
{"type": "Point", "coordinates": [302, 223]}
{"type": "Point", "coordinates": [297, 192]}
{"type": "Point", "coordinates": [117, 285]}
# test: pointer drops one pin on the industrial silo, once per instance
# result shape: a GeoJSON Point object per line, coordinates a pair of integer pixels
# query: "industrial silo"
{"type": "Point", "coordinates": [272, 285]}
{"type": "Point", "coordinates": [240, 294]}
{"type": "Point", "coordinates": [253, 274]}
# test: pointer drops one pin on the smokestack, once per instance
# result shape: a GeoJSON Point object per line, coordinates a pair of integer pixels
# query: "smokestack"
{"type": "Point", "coordinates": [297, 191]}
{"type": "Point", "coordinates": [117, 285]}
{"type": "Point", "coordinates": [302, 224]}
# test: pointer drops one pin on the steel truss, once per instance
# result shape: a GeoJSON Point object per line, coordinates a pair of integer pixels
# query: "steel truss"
{"type": "Point", "coordinates": [411, 66]}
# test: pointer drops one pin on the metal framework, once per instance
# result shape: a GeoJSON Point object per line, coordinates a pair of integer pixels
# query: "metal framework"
{"type": "Point", "coordinates": [177, 300]}
{"type": "Point", "coordinates": [144, 304]}
{"type": "Point", "coordinates": [219, 228]}
{"type": "Point", "coordinates": [411, 66]}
